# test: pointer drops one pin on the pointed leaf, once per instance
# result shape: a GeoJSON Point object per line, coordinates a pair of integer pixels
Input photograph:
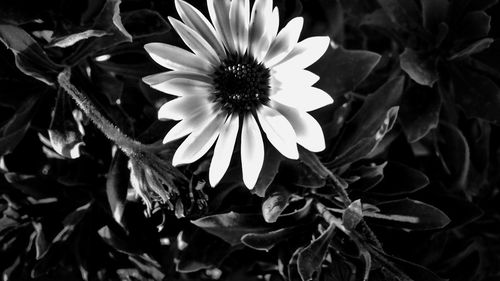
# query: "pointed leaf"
{"type": "Point", "coordinates": [310, 258]}
{"type": "Point", "coordinates": [420, 67]}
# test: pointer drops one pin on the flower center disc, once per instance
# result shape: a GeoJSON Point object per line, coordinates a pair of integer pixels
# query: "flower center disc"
{"type": "Point", "coordinates": [241, 84]}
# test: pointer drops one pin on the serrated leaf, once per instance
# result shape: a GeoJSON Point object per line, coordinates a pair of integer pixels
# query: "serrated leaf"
{"type": "Point", "coordinates": [420, 67]}
{"type": "Point", "coordinates": [343, 70]}
{"type": "Point", "coordinates": [310, 258]}
{"type": "Point", "coordinates": [232, 226]}
{"type": "Point", "coordinates": [409, 214]}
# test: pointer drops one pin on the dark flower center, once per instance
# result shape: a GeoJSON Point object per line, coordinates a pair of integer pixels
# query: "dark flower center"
{"type": "Point", "coordinates": [241, 84]}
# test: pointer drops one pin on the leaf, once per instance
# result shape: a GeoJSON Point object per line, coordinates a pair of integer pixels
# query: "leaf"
{"type": "Point", "coordinates": [117, 185]}
{"type": "Point", "coordinates": [408, 214]}
{"type": "Point", "coordinates": [474, 48]}
{"type": "Point", "coordinates": [419, 112]}
{"type": "Point", "coordinates": [476, 94]}
{"type": "Point", "coordinates": [366, 145]}
{"type": "Point", "coordinates": [30, 58]}
{"type": "Point", "coordinates": [275, 203]}
{"type": "Point", "coordinates": [65, 130]}
{"type": "Point", "coordinates": [420, 67]}
{"type": "Point", "coordinates": [365, 130]}
{"type": "Point", "coordinates": [454, 153]}
{"type": "Point", "coordinates": [343, 70]}
{"type": "Point", "coordinates": [434, 12]}
{"type": "Point", "coordinates": [72, 39]}
{"type": "Point", "coordinates": [267, 240]}
{"type": "Point", "coordinates": [403, 12]}
{"type": "Point", "coordinates": [199, 254]}
{"type": "Point", "coordinates": [473, 26]}
{"type": "Point", "coordinates": [269, 170]}
{"type": "Point", "coordinates": [108, 20]}
{"type": "Point", "coordinates": [297, 173]}
{"type": "Point", "coordinates": [365, 177]}
{"type": "Point", "coordinates": [400, 179]}
{"type": "Point", "coordinates": [310, 258]}
{"type": "Point", "coordinates": [144, 23]}
{"type": "Point", "coordinates": [232, 226]}
{"type": "Point", "coordinates": [414, 271]}
{"type": "Point", "coordinates": [353, 215]}
{"type": "Point", "coordinates": [14, 130]}
{"type": "Point", "coordinates": [313, 162]}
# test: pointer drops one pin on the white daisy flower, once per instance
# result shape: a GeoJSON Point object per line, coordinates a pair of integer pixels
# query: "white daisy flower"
{"type": "Point", "coordinates": [241, 72]}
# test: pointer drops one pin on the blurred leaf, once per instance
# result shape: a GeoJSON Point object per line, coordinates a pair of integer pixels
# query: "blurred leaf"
{"type": "Point", "coordinates": [31, 59]}
{"type": "Point", "coordinates": [232, 226]}
{"type": "Point", "coordinates": [352, 215]}
{"type": "Point", "coordinates": [474, 25]}
{"type": "Point", "coordinates": [144, 23]}
{"type": "Point", "coordinates": [403, 12]}
{"type": "Point", "coordinates": [414, 271]}
{"type": "Point", "coordinates": [409, 214]}
{"type": "Point", "coordinates": [454, 153]}
{"type": "Point", "coordinates": [72, 39]}
{"type": "Point", "coordinates": [476, 94]}
{"type": "Point", "coordinates": [343, 70]}
{"type": "Point", "coordinates": [400, 179]}
{"type": "Point", "coordinates": [419, 112]}
{"type": "Point", "coordinates": [311, 257]}
{"type": "Point", "coordinates": [275, 203]}
{"type": "Point", "coordinates": [65, 130]}
{"type": "Point", "coordinates": [434, 12]}
{"type": "Point", "coordinates": [420, 67]}
{"type": "Point", "coordinates": [14, 130]}
{"type": "Point", "coordinates": [473, 48]}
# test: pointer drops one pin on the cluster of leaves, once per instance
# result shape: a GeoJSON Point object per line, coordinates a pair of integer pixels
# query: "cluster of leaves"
{"type": "Point", "coordinates": [417, 102]}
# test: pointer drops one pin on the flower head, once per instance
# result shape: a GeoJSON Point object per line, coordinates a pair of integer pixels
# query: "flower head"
{"type": "Point", "coordinates": [243, 73]}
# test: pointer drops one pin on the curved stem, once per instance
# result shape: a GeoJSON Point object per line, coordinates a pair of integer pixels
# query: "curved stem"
{"type": "Point", "coordinates": [128, 145]}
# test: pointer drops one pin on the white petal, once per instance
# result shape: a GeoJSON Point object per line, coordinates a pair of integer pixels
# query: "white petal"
{"type": "Point", "coordinates": [279, 132]}
{"type": "Point", "coordinates": [309, 132]}
{"type": "Point", "coordinates": [164, 76]}
{"type": "Point", "coordinates": [219, 14]}
{"type": "Point", "coordinates": [181, 108]}
{"type": "Point", "coordinates": [197, 119]}
{"type": "Point", "coordinates": [184, 87]}
{"type": "Point", "coordinates": [194, 41]}
{"type": "Point", "coordinates": [252, 151]}
{"type": "Point", "coordinates": [284, 42]}
{"type": "Point", "coordinates": [261, 14]}
{"type": "Point", "coordinates": [224, 149]}
{"type": "Point", "coordinates": [305, 53]}
{"type": "Point", "coordinates": [193, 18]}
{"type": "Point", "coordinates": [307, 99]}
{"type": "Point", "coordinates": [198, 142]}
{"type": "Point", "coordinates": [268, 36]}
{"type": "Point", "coordinates": [239, 15]}
{"type": "Point", "coordinates": [175, 58]}
{"type": "Point", "coordinates": [293, 78]}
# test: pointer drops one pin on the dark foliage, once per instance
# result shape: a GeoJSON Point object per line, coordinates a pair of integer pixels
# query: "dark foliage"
{"type": "Point", "coordinates": [406, 189]}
